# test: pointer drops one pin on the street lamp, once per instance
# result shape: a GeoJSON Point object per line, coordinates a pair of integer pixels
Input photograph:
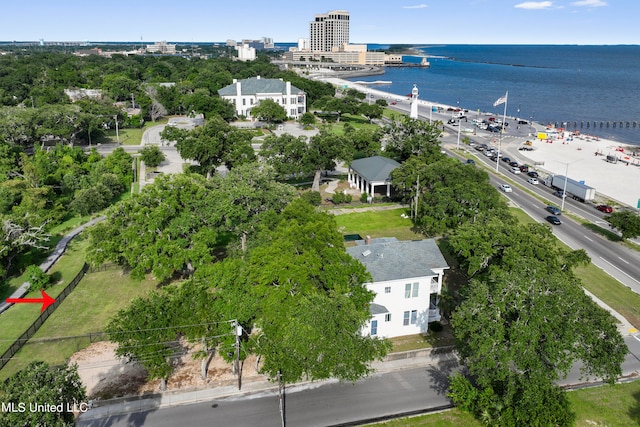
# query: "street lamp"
{"type": "Point", "coordinates": [566, 179]}
{"type": "Point", "coordinates": [459, 126]}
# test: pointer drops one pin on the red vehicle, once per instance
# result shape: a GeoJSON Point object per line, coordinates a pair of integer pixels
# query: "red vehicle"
{"type": "Point", "coordinates": [604, 208]}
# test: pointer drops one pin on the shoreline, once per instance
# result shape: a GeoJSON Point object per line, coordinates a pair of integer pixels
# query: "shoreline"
{"type": "Point", "coordinates": [614, 182]}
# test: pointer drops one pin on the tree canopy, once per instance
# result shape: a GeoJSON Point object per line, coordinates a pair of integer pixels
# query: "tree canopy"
{"type": "Point", "coordinates": [627, 222]}
{"type": "Point", "coordinates": [39, 384]}
{"type": "Point", "coordinates": [523, 321]}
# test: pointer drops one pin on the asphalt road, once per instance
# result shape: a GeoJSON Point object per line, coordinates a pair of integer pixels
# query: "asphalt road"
{"type": "Point", "coordinates": [330, 403]}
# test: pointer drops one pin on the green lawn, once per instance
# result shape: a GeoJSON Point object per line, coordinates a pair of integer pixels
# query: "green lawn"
{"type": "Point", "coordinates": [18, 318]}
{"type": "Point", "coordinates": [387, 223]}
{"type": "Point", "coordinates": [610, 406]}
{"type": "Point", "coordinates": [130, 136]}
{"type": "Point", "coordinates": [87, 309]}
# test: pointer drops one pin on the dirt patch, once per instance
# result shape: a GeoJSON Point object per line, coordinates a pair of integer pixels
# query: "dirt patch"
{"type": "Point", "coordinates": [105, 376]}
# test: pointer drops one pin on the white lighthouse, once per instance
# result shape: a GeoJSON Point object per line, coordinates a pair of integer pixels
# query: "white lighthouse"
{"type": "Point", "coordinates": [414, 103]}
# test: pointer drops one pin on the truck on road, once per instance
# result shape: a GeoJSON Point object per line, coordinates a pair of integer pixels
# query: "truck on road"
{"type": "Point", "coordinates": [574, 189]}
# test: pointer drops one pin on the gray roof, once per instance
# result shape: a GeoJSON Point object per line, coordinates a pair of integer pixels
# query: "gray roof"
{"type": "Point", "coordinates": [256, 85]}
{"type": "Point", "coordinates": [374, 169]}
{"type": "Point", "coordinates": [390, 259]}
{"type": "Point", "coordinates": [377, 309]}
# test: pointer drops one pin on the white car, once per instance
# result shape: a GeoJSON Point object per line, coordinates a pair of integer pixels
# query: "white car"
{"type": "Point", "coordinates": [532, 181]}
{"type": "Point", "coordinates": [515, 170]}
{"type": "Point", "coordinates": [506, 188]}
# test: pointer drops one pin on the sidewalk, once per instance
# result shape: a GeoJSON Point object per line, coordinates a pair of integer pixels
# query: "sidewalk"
{"type": "Point", "coordinates": [393, 362]}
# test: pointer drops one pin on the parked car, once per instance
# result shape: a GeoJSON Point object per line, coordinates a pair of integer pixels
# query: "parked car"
{"type": "Point", "coordinates": [554, 210]}
{"type": "Point", "coordinates": [533, 174]}
{"type": "Point", "coordinates": [514, 170]}
{"type": "Point", "coordinates": [506, 188]}
{"type": "Point", "coordinates": [522, 122]}
{"type": "Point", "coordinates": [533, 181]}
{"type": "Point", "coordinates": [604, 208]}
{"type": "Point", "coordinates": [553, 220]}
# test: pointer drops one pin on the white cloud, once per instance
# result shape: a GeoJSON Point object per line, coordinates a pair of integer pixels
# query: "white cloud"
{"type": "Point", "coordinates": [589, 3]}
{"type": "Point", "coordinates": [535, 5]}
{"type": "Point", "coordinates": [418, 6]}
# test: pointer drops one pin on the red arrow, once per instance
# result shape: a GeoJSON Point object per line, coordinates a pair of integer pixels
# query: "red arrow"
{"type": "Point", "coordinates": [46, 300]}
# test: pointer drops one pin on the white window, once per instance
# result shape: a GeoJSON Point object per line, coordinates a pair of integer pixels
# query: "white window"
{"type": "Point", "coordinates": [407, 290]}
{"type": "Point", "coordinates": [405, 318]}
{"type": "Point", "coordinates": [416, 287]}
{"type": "Point", "coordinates": [387, 290]}
{"type": "Point", "coordinates": [414, 316]}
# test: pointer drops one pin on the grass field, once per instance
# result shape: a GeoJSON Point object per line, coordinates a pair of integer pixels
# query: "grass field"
{"type": "Point", "coordinates": [610, 406]}
{"type": "Point", "coordinates": [87, 309]}
{"type": "Point", "coordinates": [130, 136]}
{"type": "Point", "coordinates": [386, 223]}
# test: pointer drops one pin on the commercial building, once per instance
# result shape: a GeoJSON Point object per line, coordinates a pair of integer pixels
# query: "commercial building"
{"type": "Point", "coordinates": [162, 47]}
{"type": "Point", "coordinates": [329, 31]}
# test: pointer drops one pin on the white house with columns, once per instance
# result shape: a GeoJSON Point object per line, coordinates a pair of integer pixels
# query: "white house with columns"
{"type": "Point", "coordinates": [247, 93]}
{"type": "Point", "coordinates": [371, 172]}
{"type": "Point", "coordinates": [407, 281]}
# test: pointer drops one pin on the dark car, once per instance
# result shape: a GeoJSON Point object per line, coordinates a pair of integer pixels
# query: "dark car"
{"type": "Point", "coordinates": [493, 129]}
{"type": "Point", "coordinates": [533, 174]}
{"type": "Point", "coordinates": [559, 193]}
{"type": "Point", "coordinates": [522, 122]}
{"type": "Point", "coordinates": [524, 168]}
{"type": "Point", "coordinates": [506, 159]}
{"type": "Point", "coordinates": [514, 164]}
{"type": "Point", "coordinates": [553, 220]}
{"type": "Point", "coordinates": [471, 162]}
{"type": "Point", "coordinates": [554, 210]}
{"type": "Point", "coordinates": [604, 208]}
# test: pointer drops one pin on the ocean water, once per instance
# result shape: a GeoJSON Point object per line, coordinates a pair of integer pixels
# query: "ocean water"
{"type": "Point", "coordinates": [549, 83]}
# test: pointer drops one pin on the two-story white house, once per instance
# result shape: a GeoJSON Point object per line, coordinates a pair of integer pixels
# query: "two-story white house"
{"type": "Point", "coordinates": [407, 280]}
{"type": "Point", "coordinates": [247, 93]}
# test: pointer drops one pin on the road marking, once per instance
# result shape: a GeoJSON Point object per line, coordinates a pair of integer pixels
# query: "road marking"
{"type": "Point", "coordinates": [587, 238]}
{"type": "Point", "coordinates": [636, 337]}
{"type": "Point", "coordinates": [626, 262]}
{"type": "Point", "coordinates": [620, 270]}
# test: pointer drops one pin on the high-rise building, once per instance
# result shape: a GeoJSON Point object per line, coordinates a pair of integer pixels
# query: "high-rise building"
{"type": "Point", "coordinates": [329, 31]}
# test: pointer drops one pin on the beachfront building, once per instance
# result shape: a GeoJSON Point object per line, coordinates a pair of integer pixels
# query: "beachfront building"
{"type": "Point", "coordinates": [407, 282]}
{"type": "Point", "coordinates": [247, 93]}
{"type": "Point", "coordinates": [371, 172]}
{"type": "Point", "coordinates": [329, 31]}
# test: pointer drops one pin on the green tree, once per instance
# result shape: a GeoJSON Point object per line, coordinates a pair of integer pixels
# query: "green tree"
{"type": "Point", "coordinates": [409, 137]}
{"type": "Point", "coordinates": [37, 278]}
{"type": "Point", "coordinates": [371, 111]}
{"type": "Point", "coordinates": [270, 111]}
{"type": "Point", "coordinates": [444, 194]}
{"type": "Point", "coordinates": [313, 301]}
{"type": "Point", "coordinates": [307, 119]}
{"type": "Point", "coordinates": [89, 200]}
{"type": "Point", "coordinates": [40, 384]}
{"type": "Point", "coordinates": [152, 156]}
{"type": "Point", "coordinates": [627, 222]}
{"type": "Point", "coordinates": [212, 145]}
{"type": "Point", "coordinates": [323, 151]}
{"type": "Point", "coordinates": [178, 234]}
{"type": "Point", "coordinates": [286, 154]}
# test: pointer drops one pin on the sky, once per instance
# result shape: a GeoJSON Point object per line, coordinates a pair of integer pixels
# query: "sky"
{"type": "Point", "coordinates": [371, 21]}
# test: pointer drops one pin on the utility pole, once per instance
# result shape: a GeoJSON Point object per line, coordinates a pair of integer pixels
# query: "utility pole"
{"type": "Point", "coordinates": [117, 135]}
{"type": "Point", "coordinates": [237, 330]}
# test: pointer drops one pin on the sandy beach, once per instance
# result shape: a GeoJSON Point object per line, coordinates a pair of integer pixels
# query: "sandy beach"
{"type": "Point", "coordinates": [615, 183]}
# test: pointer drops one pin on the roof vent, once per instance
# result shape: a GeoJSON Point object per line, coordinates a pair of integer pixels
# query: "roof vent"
{"type": "Point", "coordinates": [366, 253]}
